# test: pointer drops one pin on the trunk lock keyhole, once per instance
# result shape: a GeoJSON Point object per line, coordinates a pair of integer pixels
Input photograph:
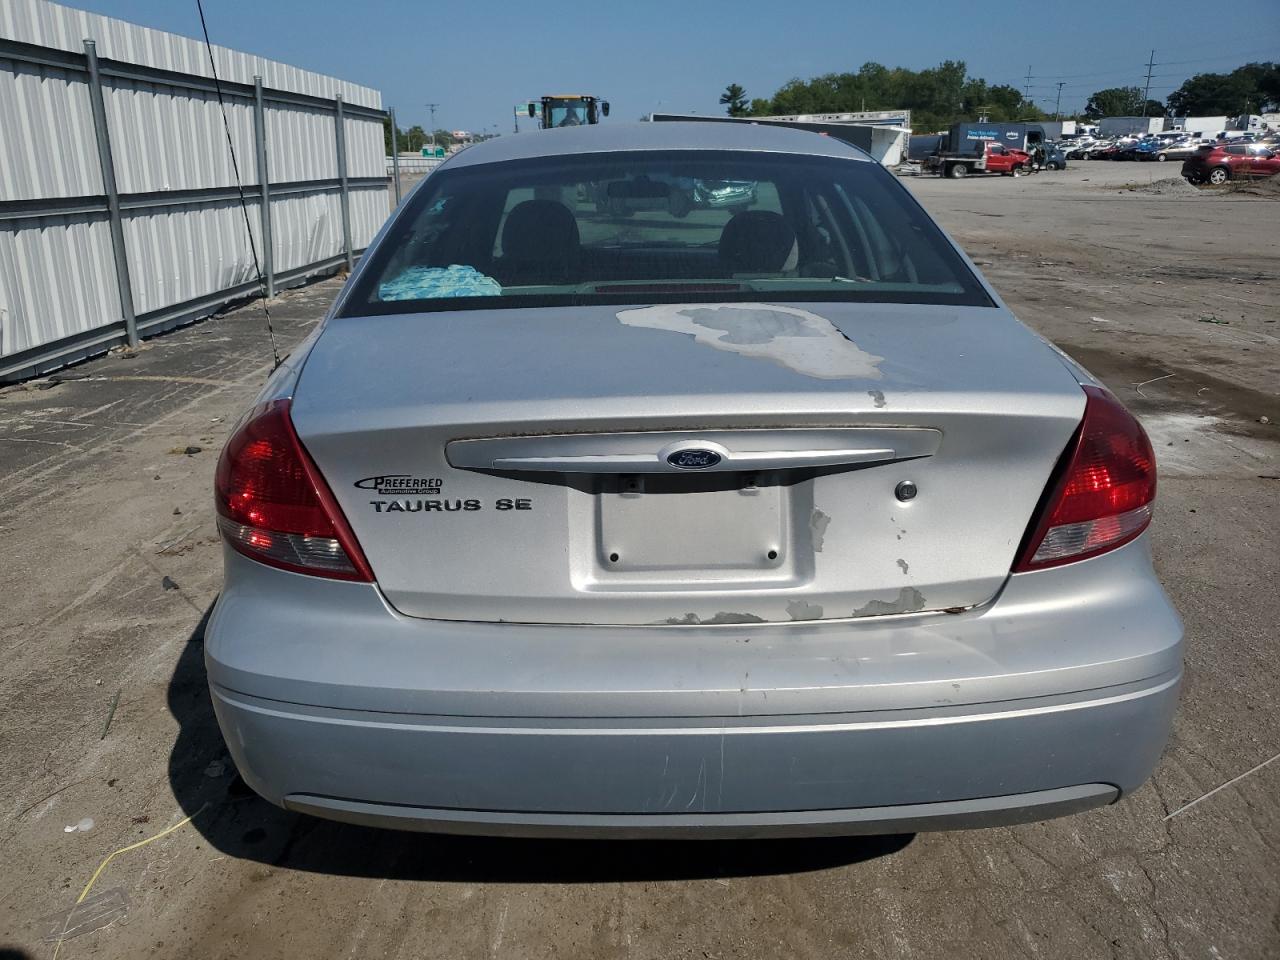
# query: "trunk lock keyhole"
{"type": "Point", "coordinates": [905, 491]}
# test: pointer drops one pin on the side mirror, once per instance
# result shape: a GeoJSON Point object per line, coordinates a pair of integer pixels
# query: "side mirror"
{"type": "Point", "coordinates": [533, 111]}
{"type": "Point", "coordinates": [604, 107]}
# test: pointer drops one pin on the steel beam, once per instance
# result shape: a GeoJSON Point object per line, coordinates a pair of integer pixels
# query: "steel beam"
{"type": "Point", "coordinates": [264, 181]}
{"type": "Point", "coordinates": [105, 160]}
{"type": "Point", "coordinates": [340, 120]}
{"type": "Point", "coordinates": [395, 154]}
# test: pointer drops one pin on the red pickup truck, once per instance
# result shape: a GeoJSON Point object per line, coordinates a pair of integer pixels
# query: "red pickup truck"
{"type": "Point", "coordinates": [995, 158]}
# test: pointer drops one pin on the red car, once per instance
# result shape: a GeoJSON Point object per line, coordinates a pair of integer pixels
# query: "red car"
{"type": "Point", "coordinates": [1221, 162]}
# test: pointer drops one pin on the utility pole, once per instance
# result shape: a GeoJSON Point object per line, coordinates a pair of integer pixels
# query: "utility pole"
{"type": "Point", "coordinates": [1057, 107]}
{"type": "Point", "coordinates": [1026, 89]}
{"type": "Point", "coordinates": [432, 108]}
{"type": "Point", "coordinates": [1147, 89]}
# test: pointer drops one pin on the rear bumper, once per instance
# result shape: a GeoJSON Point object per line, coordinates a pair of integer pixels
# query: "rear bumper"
{"type": "Point", "coordinates": [907, 818]}
{"type": "Point", "coordinates": [1056, 696]}
{"type": "Point", "coordinates": [937, 768]}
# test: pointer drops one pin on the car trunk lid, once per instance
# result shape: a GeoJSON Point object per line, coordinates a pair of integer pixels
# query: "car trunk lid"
{"type": "Point", "coordinates": [687, 464]}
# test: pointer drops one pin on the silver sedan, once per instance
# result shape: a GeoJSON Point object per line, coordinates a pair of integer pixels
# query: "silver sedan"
{"type": "Point", "coordinates": [763, 521]}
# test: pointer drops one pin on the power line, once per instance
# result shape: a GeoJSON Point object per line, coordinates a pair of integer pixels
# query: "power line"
{"type": "Point", "coordinates": [1231, 55]}
{"type": "Point", "coordinates": [235, 168]}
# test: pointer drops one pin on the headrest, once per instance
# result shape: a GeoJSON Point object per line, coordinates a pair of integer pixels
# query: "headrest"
{"type": "Point", "coordinates": [540, 231]}
{"type": "Point", "coordinates": [758, 241]}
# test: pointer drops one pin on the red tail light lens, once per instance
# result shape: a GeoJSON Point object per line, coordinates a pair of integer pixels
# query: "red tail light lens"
{"type": "Point", "coordinates": [274, 506]}
{"type": "Point", "coordinates": [1103, 494]}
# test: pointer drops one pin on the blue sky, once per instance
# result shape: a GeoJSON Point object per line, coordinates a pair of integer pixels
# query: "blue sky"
{"type": "Point", "coordinates": [477, 59]}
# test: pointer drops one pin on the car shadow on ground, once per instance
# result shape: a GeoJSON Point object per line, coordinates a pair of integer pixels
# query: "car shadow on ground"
{"type": "Point", "coordinates": [238, 823]}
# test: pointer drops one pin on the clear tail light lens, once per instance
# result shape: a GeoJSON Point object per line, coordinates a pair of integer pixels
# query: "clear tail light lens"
{"type": "Point", "coordinates": [274, 506]}
{"type": "Point", "coordinates": [1102, 494]}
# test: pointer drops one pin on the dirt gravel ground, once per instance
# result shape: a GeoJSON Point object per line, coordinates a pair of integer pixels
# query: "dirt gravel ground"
{"type": "Point", "coordinates": [112, 564]}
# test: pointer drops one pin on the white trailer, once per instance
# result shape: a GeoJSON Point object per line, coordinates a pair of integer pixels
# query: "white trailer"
{"type": "Point", "coordinates": [1197, 126]}
{"type": "Point", "coordinates": [1057, 129]}
{"type": "Point", "coordinates": [1129, 126]}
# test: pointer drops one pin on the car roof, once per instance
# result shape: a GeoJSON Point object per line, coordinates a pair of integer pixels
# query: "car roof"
{"type": "Point", "coordinates": [666, 135]}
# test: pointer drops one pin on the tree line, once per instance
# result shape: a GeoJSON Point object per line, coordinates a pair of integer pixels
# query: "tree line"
{"type": "Point", "coordinates": [943, 95]}
{"type": "Point", "coordinates": [415, 138]}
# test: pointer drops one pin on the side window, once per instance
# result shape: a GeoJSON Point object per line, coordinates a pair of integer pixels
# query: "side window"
{"type": "Point", "coordinates": [1236, 151]}
{"type": "Point", "coordinates": [884, 258]}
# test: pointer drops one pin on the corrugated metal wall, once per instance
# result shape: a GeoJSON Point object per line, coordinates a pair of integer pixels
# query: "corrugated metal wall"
{"type": "Point", "coordinates": [46, 24]}
{"type": "Point", "coordinates": [34, 161]}
{"type": "Point", "coordinates": [186, 253]}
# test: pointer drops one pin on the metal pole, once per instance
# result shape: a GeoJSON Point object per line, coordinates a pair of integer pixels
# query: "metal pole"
{"type": "Point", "coordinates": [1057, 107]}
{"type": "Point", "coordinates": [395, 155]}
{"type": "Point", "coordinates": [432, 108]}
{"type": "Point", "coordinates": [113, 196]}
{"type": "Point", "coordinates": [1146, 90]}
{"type": "Point", "coordinates": [342, 179]}
{"type": "Point", "coordinates": [264, 179]}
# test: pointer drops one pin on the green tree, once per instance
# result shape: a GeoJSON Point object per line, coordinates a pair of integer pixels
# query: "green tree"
{"type": "Point", "coordinates": [1121, 102]}
{"type": "Point", "coordinates": [1251, 88]}
{"type": "Point", "coordinates": [937, 97]}
{"type": "Point", "coordinates": [734, 99]}
{"type": "Point", "coordinates": [1269, 87]}
{"type": "Point", "coordinates": [414, 139]}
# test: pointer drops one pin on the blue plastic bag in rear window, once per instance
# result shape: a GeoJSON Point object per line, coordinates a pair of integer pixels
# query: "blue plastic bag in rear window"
{"type": "Point", "coordinates": [422, 283]}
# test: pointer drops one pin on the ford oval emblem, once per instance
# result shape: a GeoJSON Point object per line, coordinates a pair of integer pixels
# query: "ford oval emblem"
{"type": "Point", "coordinates": [694, 459]}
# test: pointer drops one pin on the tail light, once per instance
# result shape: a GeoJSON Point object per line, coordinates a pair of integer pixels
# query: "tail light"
{"type": "Point", "coordinates": [274, 506]}
{"type": "Point", "coordinates": [1102, 492]}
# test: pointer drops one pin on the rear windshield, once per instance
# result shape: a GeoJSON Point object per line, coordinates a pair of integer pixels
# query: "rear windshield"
{"type": "Point", "coordinates": [655, 227]}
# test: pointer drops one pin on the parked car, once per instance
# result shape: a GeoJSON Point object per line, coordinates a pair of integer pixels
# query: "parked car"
{"type": "Point", "coordinates": [1123, 149]}
{"type": "Point", "coordinates": [1083, 149]}
{"type": "Point", "coordinates": [1178, 150]}
{"type": "Point", "coordinates": [771, 522]}
{"type": "Point", "coordinates": [1148, 148]}
{"type": "Point", "coordinates": [1102, 149]}
{"type": "Point", "coordinates": [1220, 162]}
{"type": "Point", "coordinates": [1055, 157]}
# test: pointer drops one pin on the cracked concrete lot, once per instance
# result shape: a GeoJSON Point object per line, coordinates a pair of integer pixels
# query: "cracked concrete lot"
{"type": "Point", "coordinates": [111, 563]}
